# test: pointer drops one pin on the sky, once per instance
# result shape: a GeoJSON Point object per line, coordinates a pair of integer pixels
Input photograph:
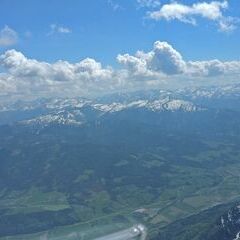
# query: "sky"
{"type": "Point", "coordinates": [91, 47]}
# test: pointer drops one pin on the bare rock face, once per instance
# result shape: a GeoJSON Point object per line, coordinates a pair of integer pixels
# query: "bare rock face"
{"type": "Point", "coordinates": [229, 224]}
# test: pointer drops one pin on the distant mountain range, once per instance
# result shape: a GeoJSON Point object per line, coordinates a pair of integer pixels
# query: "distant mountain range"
{"type": "Point", "coordinates": [167, 159]}
{"type": "Point", "coordinates": [76, 111]}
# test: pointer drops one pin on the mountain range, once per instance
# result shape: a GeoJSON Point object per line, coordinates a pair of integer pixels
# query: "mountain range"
{"type": "Point", "coordinates": [168, 159]}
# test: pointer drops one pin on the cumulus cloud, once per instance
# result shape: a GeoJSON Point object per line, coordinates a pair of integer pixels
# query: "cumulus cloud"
{"type": "Point", "coordinates": [163, 59]}
{"type": "Point", "coordinates": [60, 77]}
{"type": "Point", "coordinates": [8, 37]}
{"type": "Point", "coordinates": [213, 68]}
{"type": "Point", "coordinates": [212, 11]}
{"type": "Point", "coordinates": [24, 77]}
{"type": "Point", "coordinates": [135, 67]}
{"type": "Point", "coordinates": [166, 59]}
{"type": "Point", "coordinates": [20, 66]}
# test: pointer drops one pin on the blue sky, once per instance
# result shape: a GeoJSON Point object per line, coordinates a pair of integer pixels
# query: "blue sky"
{"type": "Point", "coordinates": [73, 30]}
{"type": "Point", "coordinates": [102, 32]}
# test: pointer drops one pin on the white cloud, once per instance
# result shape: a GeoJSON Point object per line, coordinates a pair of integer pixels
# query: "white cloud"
{"type": "Point", "coordinates": [59, 29]}
{"type": "Point", "coordinates": [166, 59]}
{"type": "Point", "coordinates": [8, 37]}
{"type": "Point", "coordinates": [213, 68]}
{"type": "Point", "coordinates": [212, 11]}
{"type": "Point", "coordinates": [149, 3]}
{"type": "Point", "coordinates": [163, 59]}
{"type": "Point", "coordinates": [20, 66]}
{"type": "Point", "coordinates": [136, 66]}
{"type": "Point", "coordinates": [42, 78]}
{"type": "Point", "coordinates": [163, 65]}
{"type": "Point", "coordinates": [64, 30]}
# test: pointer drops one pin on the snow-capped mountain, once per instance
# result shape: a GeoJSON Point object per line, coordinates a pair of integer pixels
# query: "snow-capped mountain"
{"type": "Point", "coordinates": [227, 91]}
{"type": "Point", "coordinates": [77, 111]}
{"type": "Point", "coordinates": [229, 224]}
{"type": "Point", "coordinates": [61, 117]}
{"type": "Point", "coordinates": [165, 104]}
